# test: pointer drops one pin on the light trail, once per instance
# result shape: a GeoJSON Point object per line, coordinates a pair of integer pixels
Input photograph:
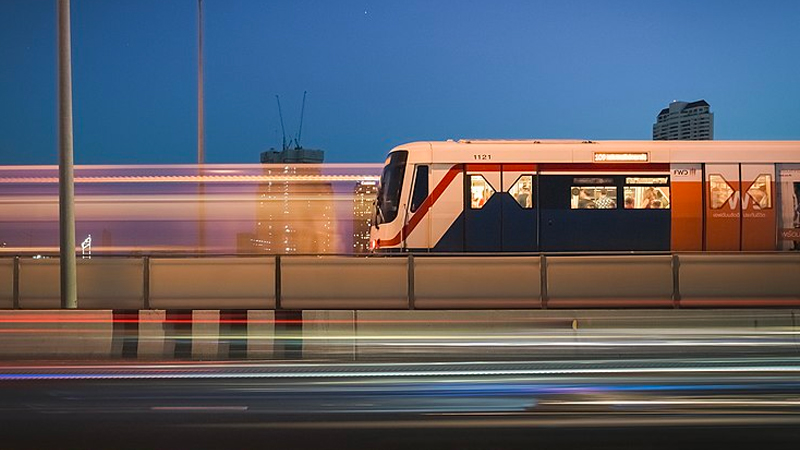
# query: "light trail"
{"type": "Point", "coordinates": [480, 369]}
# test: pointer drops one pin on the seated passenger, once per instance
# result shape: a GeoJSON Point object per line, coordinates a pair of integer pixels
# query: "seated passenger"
{"type": "Point", "coordinates": [605, 202]}
{"type": "Point", "coordinates": [628, 202]}
{"type": "Point", "coordinates": [649, 196]}
{"type": "Point", "coordinates": [585, 199]}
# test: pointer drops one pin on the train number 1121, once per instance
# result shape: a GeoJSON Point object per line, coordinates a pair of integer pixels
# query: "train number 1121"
{"type": "Point", "coordinates": [482, 157]}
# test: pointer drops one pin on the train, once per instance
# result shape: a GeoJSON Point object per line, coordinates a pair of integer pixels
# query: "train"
{"type": "Point", "coordinates": [588, 196]}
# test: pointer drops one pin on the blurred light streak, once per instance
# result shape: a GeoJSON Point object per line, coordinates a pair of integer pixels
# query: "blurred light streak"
{"type": "Point", "coordinates": [389, 370]}
{"type": "Point", "coordinates": [685, 402]}
{"type": "Point", "coordinates": [241, 209]}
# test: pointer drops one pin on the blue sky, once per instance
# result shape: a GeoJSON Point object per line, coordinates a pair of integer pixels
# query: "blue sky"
{"type": "Point", "coordinates": [380, 73]}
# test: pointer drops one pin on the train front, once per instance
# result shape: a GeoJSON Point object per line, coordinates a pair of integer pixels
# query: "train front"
{"type": "Point", "coordinates": [387, 225]}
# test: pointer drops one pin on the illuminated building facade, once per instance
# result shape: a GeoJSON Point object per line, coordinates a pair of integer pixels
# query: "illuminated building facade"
{"type": "Point", "coordinates": [363, 199]}
{"type": "Point", "coordinates": [297, 155]}
{"type": "Point", "coordinates": [295, 213]}
{"type": "Point", "coordinates": [685, 121]}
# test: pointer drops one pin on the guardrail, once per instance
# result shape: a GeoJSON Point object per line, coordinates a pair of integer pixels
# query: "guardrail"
{"type": "Point", "coordinates": [411, 281]}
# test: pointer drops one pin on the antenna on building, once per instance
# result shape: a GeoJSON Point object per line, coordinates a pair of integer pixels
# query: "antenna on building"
{"type": "Point", "coordinates": [300, 131]}
{"type": "Point", "coordinates": [280, 114]}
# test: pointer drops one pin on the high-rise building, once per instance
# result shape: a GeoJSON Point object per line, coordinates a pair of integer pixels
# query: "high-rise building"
{"type": "Point", "coordinates": [295, 212]}
{"type": "Point", "coordinates": [363, 197]}
{"type": "Point", "coordinates": [297, 155]}
{"type": "Point", "coordinates": [685, 121]}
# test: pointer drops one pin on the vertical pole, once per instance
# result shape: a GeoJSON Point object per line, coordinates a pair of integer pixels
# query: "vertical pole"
{"type": "Point", "coordinates": [201, 136]}
{"type": "Point", "coordinates": [200, 116]}
{"type": "Point", "coordinates": [66, 187]}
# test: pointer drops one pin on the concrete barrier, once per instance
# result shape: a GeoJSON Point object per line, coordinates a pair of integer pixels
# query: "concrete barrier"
{"type": "Point", "coordinates": [152, 335]}
{"type": "Point", "coordinates": [197, 283]}
{"type": "Point", "coordinates": [418, 282]}
{"type": "Point", "coordinates": [558, 334]}
{"type": "Point", "coordinates": [206, 335]}
{"type": "Point", "coordinates": [714, 280]}
{"type": "Point", "coordinates": [319, 282]}
{"type": "Point", "coordinates": [329, 334]}
{"type": "Point", "coordinates": [103, 283]}
{"type": "Point", "coordinates": [40, 284]}
{"type": "Point", "coordinates": [111, 283]}
{"type": "Point", "coordinates": [703, 320]}
{"type": "Point", "coordinates": [477, 282]}
{"type": "Point", "coordinates": [445, 334]}
{"type": "Point", "coordinates": [396, 334]}
{"type": "Point", "coordinates": [609, 281]}
{"type": "Point", "coordinates": [260, 334]}
{"type": "Point", "coordinates": [55, 334]}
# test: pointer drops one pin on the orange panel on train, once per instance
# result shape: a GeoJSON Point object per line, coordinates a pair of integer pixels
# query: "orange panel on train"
{"type": "Point", "coordinates": [687, 207]}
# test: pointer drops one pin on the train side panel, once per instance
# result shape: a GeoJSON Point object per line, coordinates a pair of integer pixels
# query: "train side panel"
{"type": "Point", "coordinates": [723, 207]}
{"type": "Point", "coordinates": [447, 215]}
{"type": "Point", "coordinates": [789, 206]}
{"type": "Point", "coordinates": [687, 207]}
{"type": "Point", "coordinates": [759, 221]}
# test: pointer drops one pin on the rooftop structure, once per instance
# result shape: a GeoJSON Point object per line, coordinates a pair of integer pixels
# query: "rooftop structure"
{"type": "Point", "coordinates": [685, 121]}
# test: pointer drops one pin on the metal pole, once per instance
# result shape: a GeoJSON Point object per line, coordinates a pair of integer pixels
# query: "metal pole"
{"type": "Point", "coordinates": [201, 155]}
{"type": "Point", "coordinates": [66, 187]}
{"type": "Point", "coordinates": [201, 151]}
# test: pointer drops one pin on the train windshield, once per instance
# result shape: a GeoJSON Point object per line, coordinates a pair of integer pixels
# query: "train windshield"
{"type": "Point", "coordinates": [387, 204]}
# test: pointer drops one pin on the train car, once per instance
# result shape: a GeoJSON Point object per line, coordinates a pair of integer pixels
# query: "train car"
{"type": "Point", "coordinates": [583, 196]}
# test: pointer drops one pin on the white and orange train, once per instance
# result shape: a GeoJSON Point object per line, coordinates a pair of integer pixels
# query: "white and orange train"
{"type": "Point", "coordinates": [554, 196]}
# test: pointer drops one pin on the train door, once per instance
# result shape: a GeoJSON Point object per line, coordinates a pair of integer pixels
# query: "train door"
{"type": "Point", "coordinates": [723, 207]}
{"type": "Point", "coordinates": [417, 224]}
{"type": "Point", "coordinates": [759, 229]}
{"type": "Point", "coordinates": [519, 215]}
{"type": "Point", "coordinates": [483, 208]}
{"type": "Point", "coordinates": [687, 207]}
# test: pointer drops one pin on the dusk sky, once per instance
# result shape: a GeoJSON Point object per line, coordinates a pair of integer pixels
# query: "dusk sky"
{"type": "Point", "coordinates": [381, 73]}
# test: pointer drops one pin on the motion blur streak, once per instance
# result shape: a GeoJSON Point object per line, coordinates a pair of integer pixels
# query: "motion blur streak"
{"type": "Point", "coordinates": [218, 209]}
{"type": "Point", "coordinates": [232, 405]}
{"type": "Point", "coordinates": [51, 335]}
{"type": "Point", "coordinates": [401, 370]}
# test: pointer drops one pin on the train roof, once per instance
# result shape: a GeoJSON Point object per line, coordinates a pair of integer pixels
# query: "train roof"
{"type": "Point", "coordinates": [588, 151]}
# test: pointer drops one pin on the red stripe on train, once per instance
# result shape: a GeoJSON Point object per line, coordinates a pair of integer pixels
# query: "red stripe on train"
{"type": "Point", "coordinates": [424, 207]}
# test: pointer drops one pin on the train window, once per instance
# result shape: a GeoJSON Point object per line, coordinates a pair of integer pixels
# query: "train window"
{"type": "Point", "coordinates": [522, 191]}
{"type": "Point", "coordinates": [720, 191]}
{"type": "Point", "coordinates": [647, 197]}
{"type": "Point", "coordinates": [387, 203]}
{"type": "Point", "coordinates": [760, 192]}
{"type": "Point", "coordinates": [420, 188]}
{"type": "Point", "coordinates": [594, 197]}
{"type": "Point", "coordinates": [480, 190]}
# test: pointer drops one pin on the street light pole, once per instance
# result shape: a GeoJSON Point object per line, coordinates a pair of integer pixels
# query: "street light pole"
{"type": "Point", "coordinates": [201, 136]}
{"type": "Point", "coordinates": [201, 155]}
{"type": "Point", "coordinates": [66, 186]}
